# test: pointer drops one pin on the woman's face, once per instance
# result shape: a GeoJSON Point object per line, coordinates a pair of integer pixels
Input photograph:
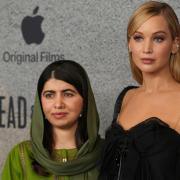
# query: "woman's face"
{"type": "Point", "coordinates": [61, 103]}
{"type": "Point", "coordinates": [151, 45]}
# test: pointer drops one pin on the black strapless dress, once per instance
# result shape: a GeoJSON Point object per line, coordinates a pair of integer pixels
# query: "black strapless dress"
{"type": "Point", "coordinates": [148, 151]}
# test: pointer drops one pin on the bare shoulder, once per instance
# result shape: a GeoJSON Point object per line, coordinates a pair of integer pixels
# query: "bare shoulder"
{"type": "Point", "coordinates": [129, 95]}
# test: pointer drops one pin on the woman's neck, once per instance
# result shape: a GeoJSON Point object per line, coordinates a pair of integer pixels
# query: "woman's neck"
{"type": "Point", "coordinates": [158, 82]}
{"type": "Point", "coordinates": [64, 139]}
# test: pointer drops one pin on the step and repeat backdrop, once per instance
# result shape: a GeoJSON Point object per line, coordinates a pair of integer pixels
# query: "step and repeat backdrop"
{"type": "Point", "coordinates": [35, 33]}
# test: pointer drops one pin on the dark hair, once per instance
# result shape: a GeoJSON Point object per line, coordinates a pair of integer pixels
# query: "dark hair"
{"type": "Point", "coordinates": [74, 74]}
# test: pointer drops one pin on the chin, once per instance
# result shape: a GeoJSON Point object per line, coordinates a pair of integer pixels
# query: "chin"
{"type": "Point", "coordinates": [148, 68]}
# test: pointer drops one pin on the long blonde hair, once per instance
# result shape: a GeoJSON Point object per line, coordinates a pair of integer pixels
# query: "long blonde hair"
{"type": "Point", "coordinates": [142, 14]}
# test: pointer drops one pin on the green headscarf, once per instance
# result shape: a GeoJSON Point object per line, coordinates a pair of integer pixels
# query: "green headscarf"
{"type": "Point", "coordinates": [89, 153]}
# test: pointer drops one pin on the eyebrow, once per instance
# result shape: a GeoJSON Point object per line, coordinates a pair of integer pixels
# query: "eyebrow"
{"type": "Point", "coordinates": [158, 32]}
{"type": "Point", "coordinates": [71, 90]}
{"type": "Point", "coordinates": [65, 90]}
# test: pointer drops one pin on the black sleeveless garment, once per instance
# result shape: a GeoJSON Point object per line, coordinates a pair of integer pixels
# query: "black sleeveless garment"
{"type": "Point", "coordinates": [149, 150]}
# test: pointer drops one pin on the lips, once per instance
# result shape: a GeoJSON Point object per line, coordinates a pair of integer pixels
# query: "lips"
{"type": "Point", "coordinates": [59, 115]}
{"type": "Point", "coordinates": [147, 60]}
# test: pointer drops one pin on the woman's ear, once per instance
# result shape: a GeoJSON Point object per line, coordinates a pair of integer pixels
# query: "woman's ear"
{"type": "Point", "coordinates": [175, 46]}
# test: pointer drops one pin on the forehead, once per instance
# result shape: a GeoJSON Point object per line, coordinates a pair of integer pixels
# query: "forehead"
{"type": "Point", "coordinates": [55, 84]}
{"type": "Point", "coordinates": [155, 24]}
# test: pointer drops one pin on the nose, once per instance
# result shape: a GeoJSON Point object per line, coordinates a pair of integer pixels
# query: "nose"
{"type": "Point", "coordinates": [59, 103]}
{"type": "Point", "coordinates": [147, 47]}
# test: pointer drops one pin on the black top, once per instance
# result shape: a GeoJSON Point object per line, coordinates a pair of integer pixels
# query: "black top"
{"type": "Point", "coordinates": [148, 151]}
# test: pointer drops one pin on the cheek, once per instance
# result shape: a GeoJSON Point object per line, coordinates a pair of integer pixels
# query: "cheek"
{"type": "Point", "coordinates": [136, 51]}
{"type": "Point", "coordinates": [135, 54]}
{"type": "Point", "coordinates": [77, 106]}
{"type": "Point", "coordinates": [46, 106]}
{"type": "Point", "coordinates": [163, 53]}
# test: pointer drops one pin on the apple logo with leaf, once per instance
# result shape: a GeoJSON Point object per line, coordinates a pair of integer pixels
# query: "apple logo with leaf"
{"type": "Point", "coordinates": [31, 28]}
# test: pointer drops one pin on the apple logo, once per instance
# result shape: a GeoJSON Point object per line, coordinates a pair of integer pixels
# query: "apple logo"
{"type": "Point", "coordinates": [31, 28]}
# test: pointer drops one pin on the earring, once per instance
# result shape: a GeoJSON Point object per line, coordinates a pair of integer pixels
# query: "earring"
{"type": "Point", "coordinates": [80, 115]}
{"type": "Point", "coordinates": [177, 45]}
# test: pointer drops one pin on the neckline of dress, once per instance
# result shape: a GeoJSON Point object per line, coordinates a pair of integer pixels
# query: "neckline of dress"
{"type": "Point", "coordinates": [149, 120]}
{"type": "Point", "coordinates": [142, 123]}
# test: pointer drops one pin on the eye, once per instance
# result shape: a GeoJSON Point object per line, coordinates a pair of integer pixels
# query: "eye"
{"type": "Point", "coordinates": [48, 95]}
{"type": "Point", "coordinates": [138, 38]}
{"type": "Point", "coordinates": [159, 39]}
{"type": "Point", "coordinates": [68, 94]}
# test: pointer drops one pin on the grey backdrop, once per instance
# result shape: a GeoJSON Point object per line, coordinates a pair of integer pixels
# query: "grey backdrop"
{"type": "Point", "coordinates": [91, 32]}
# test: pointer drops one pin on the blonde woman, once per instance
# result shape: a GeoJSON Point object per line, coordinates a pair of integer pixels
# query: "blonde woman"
{"type": "Point", "coordinates": [143, 141]}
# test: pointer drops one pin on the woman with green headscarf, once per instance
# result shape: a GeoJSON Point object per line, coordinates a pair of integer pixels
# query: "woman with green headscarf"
{"type": "Point", "coordinates": [65, 143]}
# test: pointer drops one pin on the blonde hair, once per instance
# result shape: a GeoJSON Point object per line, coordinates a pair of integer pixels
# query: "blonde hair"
{"type": "Point", "coordinates": [142, 14]}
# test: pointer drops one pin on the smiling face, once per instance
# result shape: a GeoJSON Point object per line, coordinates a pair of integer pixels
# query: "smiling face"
{"type": "Point", "coordinates": [61, 103]}
{"type": "Point", "coordinates": [151, 45]}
